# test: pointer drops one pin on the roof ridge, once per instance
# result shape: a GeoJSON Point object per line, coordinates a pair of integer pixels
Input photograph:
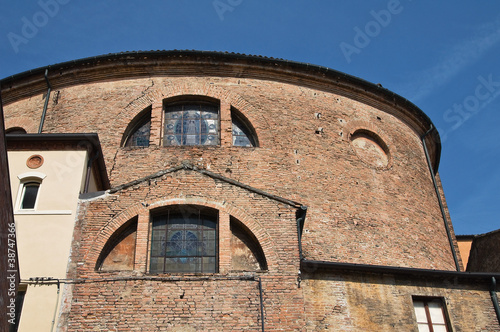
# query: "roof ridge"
{"type": "Point", "coordinates": [190, 167]}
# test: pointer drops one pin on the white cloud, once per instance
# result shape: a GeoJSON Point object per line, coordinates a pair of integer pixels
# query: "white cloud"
{"type": "Point", "coordinates": [457, 58]}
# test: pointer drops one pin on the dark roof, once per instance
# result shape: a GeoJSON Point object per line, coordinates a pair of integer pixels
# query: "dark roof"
{"type": "Point", "coordinates": [471, 236]}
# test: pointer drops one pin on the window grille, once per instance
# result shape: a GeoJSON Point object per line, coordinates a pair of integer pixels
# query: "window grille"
{"type": "Point", "coordinates": [184, 240]}
{"type": "Point", "coordinates": [191, 124]}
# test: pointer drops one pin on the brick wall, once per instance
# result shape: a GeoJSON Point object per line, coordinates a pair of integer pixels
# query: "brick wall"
{"type": "Point", "coordinates": [374, 302]}
{"type": "Point", "coordinates": [209, 302]}
{"type": "Point", "coordinates": [369, 202]}
{"type": "Point", "coordinates": [484, 253]}
{"type": "Point", "coordinates": [386, 216]}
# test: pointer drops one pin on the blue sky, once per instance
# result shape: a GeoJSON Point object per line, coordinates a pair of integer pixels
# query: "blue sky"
{"type": "Point", "coordinates": [443, 56]}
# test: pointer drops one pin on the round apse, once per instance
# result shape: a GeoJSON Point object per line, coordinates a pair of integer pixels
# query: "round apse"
{"type": "Point", "coordinates": [370, 148]}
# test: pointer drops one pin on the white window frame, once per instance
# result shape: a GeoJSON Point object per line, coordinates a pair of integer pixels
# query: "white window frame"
{"type": "Point", "coordinates": [24, 179]}
{"type": "Point", "coordinates": [427, 321]}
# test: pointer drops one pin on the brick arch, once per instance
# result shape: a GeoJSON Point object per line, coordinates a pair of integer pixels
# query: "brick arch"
{"type": "Point", "coordinates": [353, 126]}
{"type": "Point", "coordinates": [207, 90]}
{"type": "Point", "coordinates": [107, 231]}
{"type": "Point", "coordinates": [24, 122]}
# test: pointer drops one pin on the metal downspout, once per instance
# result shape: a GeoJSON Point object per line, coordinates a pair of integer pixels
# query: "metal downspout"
{"type": "Point", "coordinates": [57, 304]}
{"type": "Point", "coordinates": [301, 217]}
{"type": "Point", "coordinates": [49, 88]}
{"type": "Point", "coordinates": [441, 206]}
{"type": "Point", "coordinates": [89, 170]}
{"type": "Point", "coordinates": [261, 305]}
{"type": "Point", "coordinates": [494, 298]}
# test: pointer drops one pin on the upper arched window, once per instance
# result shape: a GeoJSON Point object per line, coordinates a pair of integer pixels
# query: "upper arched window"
{"type": "Point", "coordinates": [190, 120]}
{"type": "Point", "coordinates": [191, 123]}
{"type": "Point", "coordinates": [139, 132]}
{"type": "Point", "coordinates": [243, 133]}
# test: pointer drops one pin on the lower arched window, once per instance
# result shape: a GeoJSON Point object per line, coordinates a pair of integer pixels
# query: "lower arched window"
{"type": "Point", "coordinates": [184, 240]}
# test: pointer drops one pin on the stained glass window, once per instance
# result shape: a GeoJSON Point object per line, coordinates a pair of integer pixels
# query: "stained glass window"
{"type": "Point", "coordinates": [184, 240]}
{"type": "Point", "coordinates": [140, 136]}
{"type": "Point", "coordinates": [241, 134]}
{"type": "Point", "coordinates": [191, 124]}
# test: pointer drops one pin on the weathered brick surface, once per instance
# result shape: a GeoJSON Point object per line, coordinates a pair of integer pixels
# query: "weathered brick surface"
{"type": "Point", "coordinates": [484, 253]}
{"type": "Point", "coordinates": [383, 216]}
{"type": "Point", "coordinates": [358, 212]}
{"type": "Point", "coordinates": [138, 305]}
{"type": "Point", "coordinates": [216, 304]}
{"type": "Point", "coordinates": [25, 114]}
{"type": "Point", "coordinates": [366, 302]}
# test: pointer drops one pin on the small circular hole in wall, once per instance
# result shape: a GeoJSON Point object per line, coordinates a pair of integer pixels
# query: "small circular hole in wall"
{"type": "Point", "coordinates": [370, 148]}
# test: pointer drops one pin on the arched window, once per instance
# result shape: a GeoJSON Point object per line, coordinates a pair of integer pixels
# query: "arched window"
{"type": "Point", "coordinates": [246, 253]}
{"type": "Point", "coordinates": [243, 133]}
{"type": "Point", "coordinates": [138, 134]}
{"type": "Point", "coordinates": [190, 120]}
{"type": "Point", "coordinates": [29, 190]}
{"type": "Point", "coordinates": [184, 240]}
{"type": "Point", "coordinates": [118, 253]}
{"type": "Point", "coordinates": [29, 195]}
{"type": "Point", "coordinates": [191, 123]}
{"type": "Point", "coordinates": [15, 131]}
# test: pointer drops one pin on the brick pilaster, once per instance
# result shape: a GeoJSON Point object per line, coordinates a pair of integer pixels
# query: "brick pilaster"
{"type": "Point", "coordinates": [156, 123]}
{"type": "Point", "coordinates": [141, 246]}
{"type": "Point", "coordinates": [224, 243]}
{"type": "Point", "coordinates": [225, 124]}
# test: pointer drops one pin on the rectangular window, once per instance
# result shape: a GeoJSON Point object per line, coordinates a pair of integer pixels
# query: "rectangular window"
{"type": "Point", "coordinates": [430, 315]}
{"type": "Point", "coordinates": [30, 192]}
